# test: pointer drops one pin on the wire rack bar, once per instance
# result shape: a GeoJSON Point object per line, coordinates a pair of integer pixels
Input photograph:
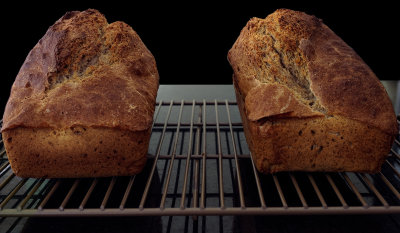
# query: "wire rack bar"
{"type": "Point", "coordinates": [279, 189]}
{"type": "Point", "coordinates": [69, 194]}
{"type": "Point", "coordinates": [317, 191]}
{"type": "Point", "coordinates": [337, 192]}
{"type": "Point", "coordinates": [171, 162]}
{"type": "Point", "coordinates": [197, 166]}
{"type": "Point", "coordinates": [48, 196]}
{"type": "Point", "coordinates": [88, 194]}
{"type": "Point", "coordinates": [375, 190]}
{"type": "Point", "coordinates": [201, 212]}
{"type": "Point", "coordinates": [238, 176]}
{"type": "Point", "coordinates": [218, 102]}
{"type": "Point", "coordinates": [393, 169]}
{"type": "Point", "coordinates": [220, 167]}
{"type": "Point", "coordinates": [108, 193]}
{"type": "Point", "coordinates": [259, 189]}
{"type": "Point", "coordinates": [185, 179]}
{"type": "Point", "coordinates": [298, 190]}
{"type": "Point", "coordinates": [33, 190]}
{"type": "Point", "coordinates": [127, 192]}
{"type": "Point", "coordinates": [397, 142]}
{"type": "Point", "coordinates": [146, 190]}
{"type": "Point", "coordinates": [12, 193]}
{"type": "Point", "coordinates": [391, 187]}
{"type": "Point", "coordinates": [6, 181]}
{"type": "Point", "coordinates": [4, 166]}
{"type": "Point", "coordinates": [204, 158]}
{"type": "Point", "coordinates": [211, 125]}
{"type": "Point", "coordinates": [355, 190]}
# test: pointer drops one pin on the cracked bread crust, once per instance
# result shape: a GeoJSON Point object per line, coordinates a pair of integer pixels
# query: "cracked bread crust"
{"type": "Point", "coordinates": [290, 69]}
{"type": "Point", "coordinates": [297, 50]}
{"type": "Point", "coordinates": [86, 72]}
{"type": "Point", "coordinates": [83, 73]}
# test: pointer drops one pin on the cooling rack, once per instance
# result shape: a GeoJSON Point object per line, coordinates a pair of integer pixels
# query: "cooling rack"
{"type": "Point", "coordinates": [199, 164]}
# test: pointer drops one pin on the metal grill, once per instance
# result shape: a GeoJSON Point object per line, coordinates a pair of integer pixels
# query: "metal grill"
{"type": "Point", "coordinates": [199, 164]}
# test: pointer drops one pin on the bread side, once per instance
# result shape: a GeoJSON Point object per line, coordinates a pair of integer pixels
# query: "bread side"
{"type": "Point", "coordinates": [83, 101]}
{"type": "Point", "coordinates": [76, 152]}
{"type": "Point", "coordinates": [331, 143]}
{"type": "Point", "coordinates": [293, 74]}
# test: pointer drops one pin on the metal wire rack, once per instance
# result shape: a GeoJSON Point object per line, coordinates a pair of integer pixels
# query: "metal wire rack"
{"type": "Point", "coordinates": [199, 164]}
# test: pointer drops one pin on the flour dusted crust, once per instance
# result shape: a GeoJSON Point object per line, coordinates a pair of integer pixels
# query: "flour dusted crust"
{"type": "Point", "coordinates": [87, 74]}
{"type": "Point", "coordinates": [308, 101]}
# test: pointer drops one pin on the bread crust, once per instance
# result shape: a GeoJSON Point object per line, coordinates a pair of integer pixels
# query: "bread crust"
{"type": "Point", "coordinates": [293, 74]}
{"type": "Point", "coordinates": [332, 144]}
{"type": "Point", "coordinates": [76, 152]}
{"type": "Point", "coordinates": [297, 50]}
{"type": "Point", "coordinates": [89, 75]}
{"type": "Point", "coordinates": [86, 72]}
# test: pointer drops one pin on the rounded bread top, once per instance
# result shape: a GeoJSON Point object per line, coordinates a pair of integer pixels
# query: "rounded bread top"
{"type": "Point", "coordinates": [297, 52]}
{"type": "Point", "coordinates": [86, 72]}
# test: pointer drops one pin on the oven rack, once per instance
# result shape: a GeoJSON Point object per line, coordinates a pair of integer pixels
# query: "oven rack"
{"type": "Point", "coordinates": [199, 164]}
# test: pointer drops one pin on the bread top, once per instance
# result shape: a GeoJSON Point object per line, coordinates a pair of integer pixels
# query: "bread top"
{"type": "Point", "coordinates": [86, 72]}
{"type": "Point", "coordinates": [298, 56]}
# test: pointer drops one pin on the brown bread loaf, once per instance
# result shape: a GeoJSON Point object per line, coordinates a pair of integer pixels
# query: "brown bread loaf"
{"type": "Point", "coordinates": [308, 102]}
{"type": "Point", "coordinates": [82, 103]}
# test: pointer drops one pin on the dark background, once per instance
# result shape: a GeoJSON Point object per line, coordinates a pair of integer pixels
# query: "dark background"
{"type": "Point", "coordinates": [190, 41]}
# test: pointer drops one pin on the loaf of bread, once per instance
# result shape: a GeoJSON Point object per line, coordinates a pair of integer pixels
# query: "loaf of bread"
{"type": "Point", "coordinates": [82, 103]}
{"type": "Point", "coordinates": [308, 102]}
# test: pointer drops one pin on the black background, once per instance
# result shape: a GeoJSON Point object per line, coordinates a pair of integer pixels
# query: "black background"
{"type": "Point", "coordinates": [190, 41]}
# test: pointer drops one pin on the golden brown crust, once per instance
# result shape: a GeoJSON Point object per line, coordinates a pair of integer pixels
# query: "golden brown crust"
{"type": "Point", "coordinates": [297, 50]}
{"type": "Point", "coordinates": [281, 102]}
{"type": "Point", "coordinates": [332, 144]}
{"type": "Point", "coordinates": [307, 101]}
{"type": "Point", "coordinates": [76, 152]}
{"type": "Point", "coordinates": [85, 71]}
{"type": "Point", "coordinates": [82, 104]}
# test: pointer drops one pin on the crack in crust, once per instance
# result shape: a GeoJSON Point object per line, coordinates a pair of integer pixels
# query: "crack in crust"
{"type": "Point", "coordinates": [322, 72]}
{"type": "Point", "coordinates": [77, 66]}
{"type": "Point", "coordinates": [283, 67]}
{"type": "Point", "coordinates": [85, 71]}
{"type": "Point", "coordinates": [291, 77]}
